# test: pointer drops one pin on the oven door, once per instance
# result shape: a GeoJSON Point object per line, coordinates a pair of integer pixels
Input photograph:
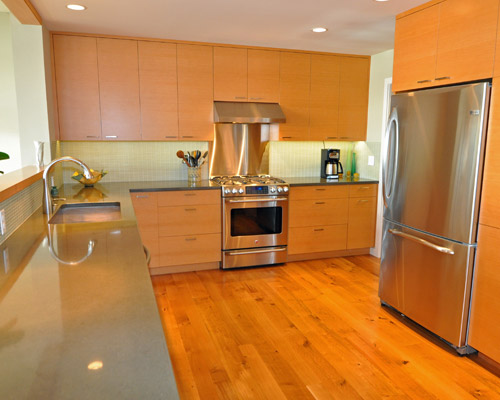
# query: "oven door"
{"type": "Point", "coordinates": [250, 222]}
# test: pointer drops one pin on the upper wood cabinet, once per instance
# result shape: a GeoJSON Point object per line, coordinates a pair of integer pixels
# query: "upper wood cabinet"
{"type": "Point", "coordinates": [230, 74]}
{"type": "Point", "coordinates": [263, 76]}
{"type": "Point", "coordinates": [158, 90]}
{"type": "Point", "coordinates": [415, 48]}
{"type": "Point", "coordinates": [295, 76]}
{"type": "Point", "coordinates": [119, 89]}
{"type": "Point", "coordinates": [324, 104]}
{"type": "Point", "coordinates": [195, 86]}
{"type": "Point", "coordinates": [77, 86]}
{"type": "Point", "coordinates": [466, 40]}
{"type": "Point", "coordinates": [448, 42]}
{"type": "Point", "coordinates": [353, 98]}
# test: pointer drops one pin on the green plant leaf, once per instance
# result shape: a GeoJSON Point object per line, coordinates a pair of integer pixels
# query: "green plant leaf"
{"type": "Point", "coordinates": [4, 156]}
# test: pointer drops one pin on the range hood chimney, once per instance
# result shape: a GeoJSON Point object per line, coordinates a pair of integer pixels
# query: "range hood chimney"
{"type": "Point", "coordinates": [247, 113]}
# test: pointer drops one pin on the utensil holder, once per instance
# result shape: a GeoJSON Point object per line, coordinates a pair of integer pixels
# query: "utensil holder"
{"type": "Point", "coordinates": [194, 174]}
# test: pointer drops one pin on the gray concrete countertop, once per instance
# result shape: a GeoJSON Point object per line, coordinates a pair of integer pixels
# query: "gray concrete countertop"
{"type": "Point", "coordinates": [85, 331]}
{"type": "Point", "coordinates": [160, 186]}
{"type": "Point", "coordinates": [310, 181]}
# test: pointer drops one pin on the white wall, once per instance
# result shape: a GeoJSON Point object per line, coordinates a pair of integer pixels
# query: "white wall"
{"type": "Point", "coordinates": [23, 101]}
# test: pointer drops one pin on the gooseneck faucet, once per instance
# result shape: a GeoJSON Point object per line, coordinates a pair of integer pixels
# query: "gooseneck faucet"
{"type": "Point", "coordinates": [48, 206]}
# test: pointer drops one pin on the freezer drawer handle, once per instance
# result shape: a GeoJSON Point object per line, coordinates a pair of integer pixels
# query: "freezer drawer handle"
{"type": "Point", "coordinates": [258, 200]}
{"type": "Point", "coordinates": [422, 241]}
{"type": "Point", "coordinates": [239, 253]}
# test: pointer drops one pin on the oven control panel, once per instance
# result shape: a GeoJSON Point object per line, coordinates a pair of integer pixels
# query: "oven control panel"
{"type": "Point", "coordinates": [252, 190]}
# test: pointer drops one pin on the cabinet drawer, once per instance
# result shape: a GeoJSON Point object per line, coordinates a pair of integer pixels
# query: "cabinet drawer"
{"type": "Point", "coordinates": [319, 192]}
{"type": "Point", "coordinates": [189, 220]}
{"type": "Point", "coordinates": [362, 220]}
{"type": "Point", "coordinates": [182, 250]}
{"type": "Point", "coordinates": [187, 197]}
{"type": "Point", "coordinates": [146, 213]}
{"type": "Point", "coordinates": [317, 239]}
{"type": "Point", "coordinates": [318, 212]}
{"type": "Point", "coordinates": [363, 190]}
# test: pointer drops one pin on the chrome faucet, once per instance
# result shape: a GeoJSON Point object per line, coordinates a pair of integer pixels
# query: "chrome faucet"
{"type": "Point", "coordinates": [48, 206]}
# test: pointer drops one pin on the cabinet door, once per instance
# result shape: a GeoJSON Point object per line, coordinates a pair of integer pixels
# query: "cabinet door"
{"type": "Point", "coordinates": [490, 206]}
{"type": "Point", "coordinates": [158, 90]}
{"type": "Point", "coordinates": [230, 74]}
{"type": "Point", "coordinates": [353, 98]}
{"type": "Point", "coordinates": [193, 249]}
{"type": "Point", "coordinates": [362, 220]}
{"type": "Point", "coordinates": [196, 92]}
{"type": "Point", "coordinates": [467, 37]}
{"type": "Point", "coordinates": [484, 329]}
{"type": "Point", "coordinates": [316, 239]}
{"type": "Point", "coordinates": [325, 81]}
{"type": "Point", "coordinates": [295, 76]}
{"type": "Point", "coordinates": [263, 76]}
{"type": "Point", "coordinates": [75, 65]}
{"type": "Point", "coordinates": [415, 49]}
{"type": "Point", "coordinates": [119, 89]}
{"type": "Point", "coordinates": [146, 212]}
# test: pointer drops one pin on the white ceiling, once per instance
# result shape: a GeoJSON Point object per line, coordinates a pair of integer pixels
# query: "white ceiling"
{"type": "Point", "coordinates": [354, 26]}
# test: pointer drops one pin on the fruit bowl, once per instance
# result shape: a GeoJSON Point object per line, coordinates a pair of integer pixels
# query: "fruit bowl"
{"type": "Point", "coordinates": [78, 176]}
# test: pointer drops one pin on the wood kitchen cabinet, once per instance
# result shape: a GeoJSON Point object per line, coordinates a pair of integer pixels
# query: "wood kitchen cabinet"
{"type": "Point", "coordinates": [146, 211]}
{"type": "Point", "coordinates": [195, 91]}
{"type": "Point", "coordinates": [324, 104]}
{"type": "Point", "coordinates": [353, 98]}
{"type": "Point", "coordinates": [295, 76]}
{"type": "Point", "coordinates": [158, 90]}
{"type": "Point", "coordinates": [263, 76]}
{"type": "Point", "coordinates": [445, 42]}
{"type": "Point", "coordinates": [230, 74]}
{"type": "Point", "coordinates": [119, 89]}
{"type": "Point", "coordinates": [75, 66]}
{"type": "Point", "coordinates": [331, 220]}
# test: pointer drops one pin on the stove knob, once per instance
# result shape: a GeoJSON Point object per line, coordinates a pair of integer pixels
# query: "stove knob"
{"type": "Point", "coordinates": [227, 191]}
{"type": "Point", "coordinates": [234, 191]}
{"type": "Point", "coordinates": [280, 189]}
{"type": "Point", "coordinates": [241, 190]}
{"type": "Point", "coordinates": [285, 189]}
{"type": "Point", "coordinates": [273, 190]}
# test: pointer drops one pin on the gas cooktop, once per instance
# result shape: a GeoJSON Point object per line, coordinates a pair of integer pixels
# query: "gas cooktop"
{"type": "Point", "coordinates": [251, 185]}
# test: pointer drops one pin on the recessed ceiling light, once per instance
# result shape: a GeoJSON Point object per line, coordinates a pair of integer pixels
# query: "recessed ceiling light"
{"type": "Point", "coordinates": [319, 29]}
{"type": "Point", "coordinates": [76, 7]}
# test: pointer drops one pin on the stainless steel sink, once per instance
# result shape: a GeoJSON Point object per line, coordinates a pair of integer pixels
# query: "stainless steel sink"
{"type": "Point", "coordinates": [86, 212]}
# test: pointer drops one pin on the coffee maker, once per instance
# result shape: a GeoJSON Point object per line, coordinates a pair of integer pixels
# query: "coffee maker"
{"type": "Point", "coordinates": [330, 164]}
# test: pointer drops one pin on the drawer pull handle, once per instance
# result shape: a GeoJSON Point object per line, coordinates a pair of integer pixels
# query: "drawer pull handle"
{"type": "Point", "coordinates": [142, 196]}
{"type": "Point", "coordinates": [442, 78]}
{"type": "Point", "coordinates": [364, 188]}
{"type": "Point", "coordinates": [424, 81]}
{"type": "Point", "coordinates": [331, 137]}
{"type": "Point", "coordinates": [362, 201]}
{"type": "Point", "coordinates": [320, 202]}
{"type": "Point", "coordinates": [111, 137]}
{"type": "Point", "coordinates": [240, 97]}
{"type": "Point", "coordinates": [93, 137]}
{"type": "Point", "coordinates": [320, 190]}
{"type": "Point", "coordinates": [319, 230]}
{"type": "Point", "coordinates": [286, 137]}
{"type": "Point", "coordinates": [187, 136]}
{"type": "Point", "coordinates": [344, 137]}
{"type": "Point", "coordinates": [190, 239]}
{"type": "Point", "coordinates": [171, 137]}
{"type": "Point", "coordinates": [256, 98]}
{"type": "Point", "coordinates": [194, 209]}
{"type": "Point", "coordinates": [189, 194]}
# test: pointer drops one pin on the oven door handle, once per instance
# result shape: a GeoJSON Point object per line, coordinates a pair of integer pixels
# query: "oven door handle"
{"type": "Point", "coordinates": [239, 253]}
{"type": "Point", "coordinates": [254, 200]}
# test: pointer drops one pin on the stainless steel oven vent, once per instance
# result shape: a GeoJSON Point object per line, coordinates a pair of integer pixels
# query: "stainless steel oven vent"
{"type": "Point", "coordinates": [248, 113]}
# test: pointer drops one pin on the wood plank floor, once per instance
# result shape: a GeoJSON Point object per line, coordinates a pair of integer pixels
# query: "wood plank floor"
{"type": "Point", "coordinates": [305, 330]}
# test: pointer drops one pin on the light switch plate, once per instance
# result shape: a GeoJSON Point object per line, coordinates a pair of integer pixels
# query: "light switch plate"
{"type": "Point", "coordinates": [371, 160]}
{"type": "Point", "coordinates": [3, 225]}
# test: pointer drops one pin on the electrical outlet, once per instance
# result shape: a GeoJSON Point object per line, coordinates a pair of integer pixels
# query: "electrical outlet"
{"type": "Point", "coordinates": [3, 225]}
{"type": "Point", "coordinates": [371, 160]}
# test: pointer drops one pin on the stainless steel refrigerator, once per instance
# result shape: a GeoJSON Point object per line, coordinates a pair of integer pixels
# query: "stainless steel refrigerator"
{"type": "Point", "coordinates": [432, 169]}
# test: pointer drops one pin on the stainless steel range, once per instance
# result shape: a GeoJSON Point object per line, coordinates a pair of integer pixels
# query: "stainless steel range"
{"type": "Point", "coordinates": [254, 220]}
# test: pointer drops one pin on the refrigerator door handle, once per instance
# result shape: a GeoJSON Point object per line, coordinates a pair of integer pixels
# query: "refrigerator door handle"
{"type": "Point", "coordinates": [424, 242]}
{"type": "Point", "coordinates": [393, 119]}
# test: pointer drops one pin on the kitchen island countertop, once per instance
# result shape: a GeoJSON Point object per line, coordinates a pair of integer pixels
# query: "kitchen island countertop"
{"type": "Point", "coordinates": [86, 331]}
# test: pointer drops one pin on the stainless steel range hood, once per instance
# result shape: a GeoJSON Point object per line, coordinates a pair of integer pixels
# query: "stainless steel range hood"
{"type": "Point", "coordinates": [247, 113]}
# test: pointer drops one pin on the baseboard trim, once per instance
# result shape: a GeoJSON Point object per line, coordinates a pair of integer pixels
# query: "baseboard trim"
{"type": "Point", "coordinates": [327, 254]}
{"type": "Point", "coordinates": [174, 269]}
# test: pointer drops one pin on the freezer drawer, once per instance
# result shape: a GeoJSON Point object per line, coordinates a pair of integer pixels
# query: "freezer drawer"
{"type": "Point", "coordinates": [428, 279]}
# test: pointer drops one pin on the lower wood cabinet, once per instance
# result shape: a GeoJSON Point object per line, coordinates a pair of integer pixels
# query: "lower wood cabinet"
{"type": "Point", "coordinates": [326, 219]}
{"type": "Point", "coordinates": [484, 328]}
{"type": "Point", "coordinates": [191, 249]}
{"type": "Point", "coordinates": [146, 212]}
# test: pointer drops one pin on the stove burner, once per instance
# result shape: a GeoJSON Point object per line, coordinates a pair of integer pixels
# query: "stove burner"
{"type": "Point", "coordinates": [247, 180]}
